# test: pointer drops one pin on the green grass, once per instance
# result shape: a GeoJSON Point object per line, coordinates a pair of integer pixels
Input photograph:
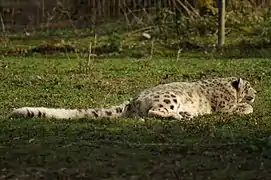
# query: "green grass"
{"type": "Point", "coordinates": [121, 43]}
{"type": "Point", "coordinates": [214, 147]}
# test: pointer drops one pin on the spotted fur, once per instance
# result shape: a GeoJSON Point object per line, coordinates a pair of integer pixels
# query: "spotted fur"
{"type": "Point", "coordinates": [177, 100]}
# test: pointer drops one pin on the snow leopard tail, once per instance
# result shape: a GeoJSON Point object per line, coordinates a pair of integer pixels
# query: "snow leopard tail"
{"type": "Point", "coordinates": [62, 113]}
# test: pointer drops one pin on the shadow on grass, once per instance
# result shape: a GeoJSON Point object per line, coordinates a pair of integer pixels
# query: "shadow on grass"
{"type": "Point", "coordinates": [218, 147]}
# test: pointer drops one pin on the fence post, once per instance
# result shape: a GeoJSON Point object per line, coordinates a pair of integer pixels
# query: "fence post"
{"type": "Point", "coordinates": [221, 23]}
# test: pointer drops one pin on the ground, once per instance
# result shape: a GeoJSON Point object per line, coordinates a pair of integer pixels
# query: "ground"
{"type": "Point", "coordinates": [213, 146]}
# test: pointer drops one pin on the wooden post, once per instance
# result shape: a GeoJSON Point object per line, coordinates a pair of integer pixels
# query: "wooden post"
{"type": "Point", "coordinates": [221, 23]}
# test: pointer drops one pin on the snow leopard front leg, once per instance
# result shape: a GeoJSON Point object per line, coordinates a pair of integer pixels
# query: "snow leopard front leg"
{"type": "Point", "coordinates": [242, 108]}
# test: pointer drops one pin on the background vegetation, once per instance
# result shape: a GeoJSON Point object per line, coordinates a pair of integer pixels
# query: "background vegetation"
{"type": "Point", "coordinates": [117, 27]}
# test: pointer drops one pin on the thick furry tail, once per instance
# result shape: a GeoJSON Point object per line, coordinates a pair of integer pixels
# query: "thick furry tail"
{"type": "Point", "coordinates": [58, 113]}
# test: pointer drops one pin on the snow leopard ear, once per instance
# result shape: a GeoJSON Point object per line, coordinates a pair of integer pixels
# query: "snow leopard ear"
{"type": "Point", "coordinates": [238, 84]}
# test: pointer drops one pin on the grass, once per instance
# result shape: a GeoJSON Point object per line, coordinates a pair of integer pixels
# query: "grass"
{"type": "Point", "coordinates": [210, 147]}
{"type": "Point", "coordinates": [118, 42]}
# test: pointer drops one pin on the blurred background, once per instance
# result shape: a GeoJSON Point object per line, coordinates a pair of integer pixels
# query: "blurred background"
{"type": "Point", "coordinates": [173, 25]}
